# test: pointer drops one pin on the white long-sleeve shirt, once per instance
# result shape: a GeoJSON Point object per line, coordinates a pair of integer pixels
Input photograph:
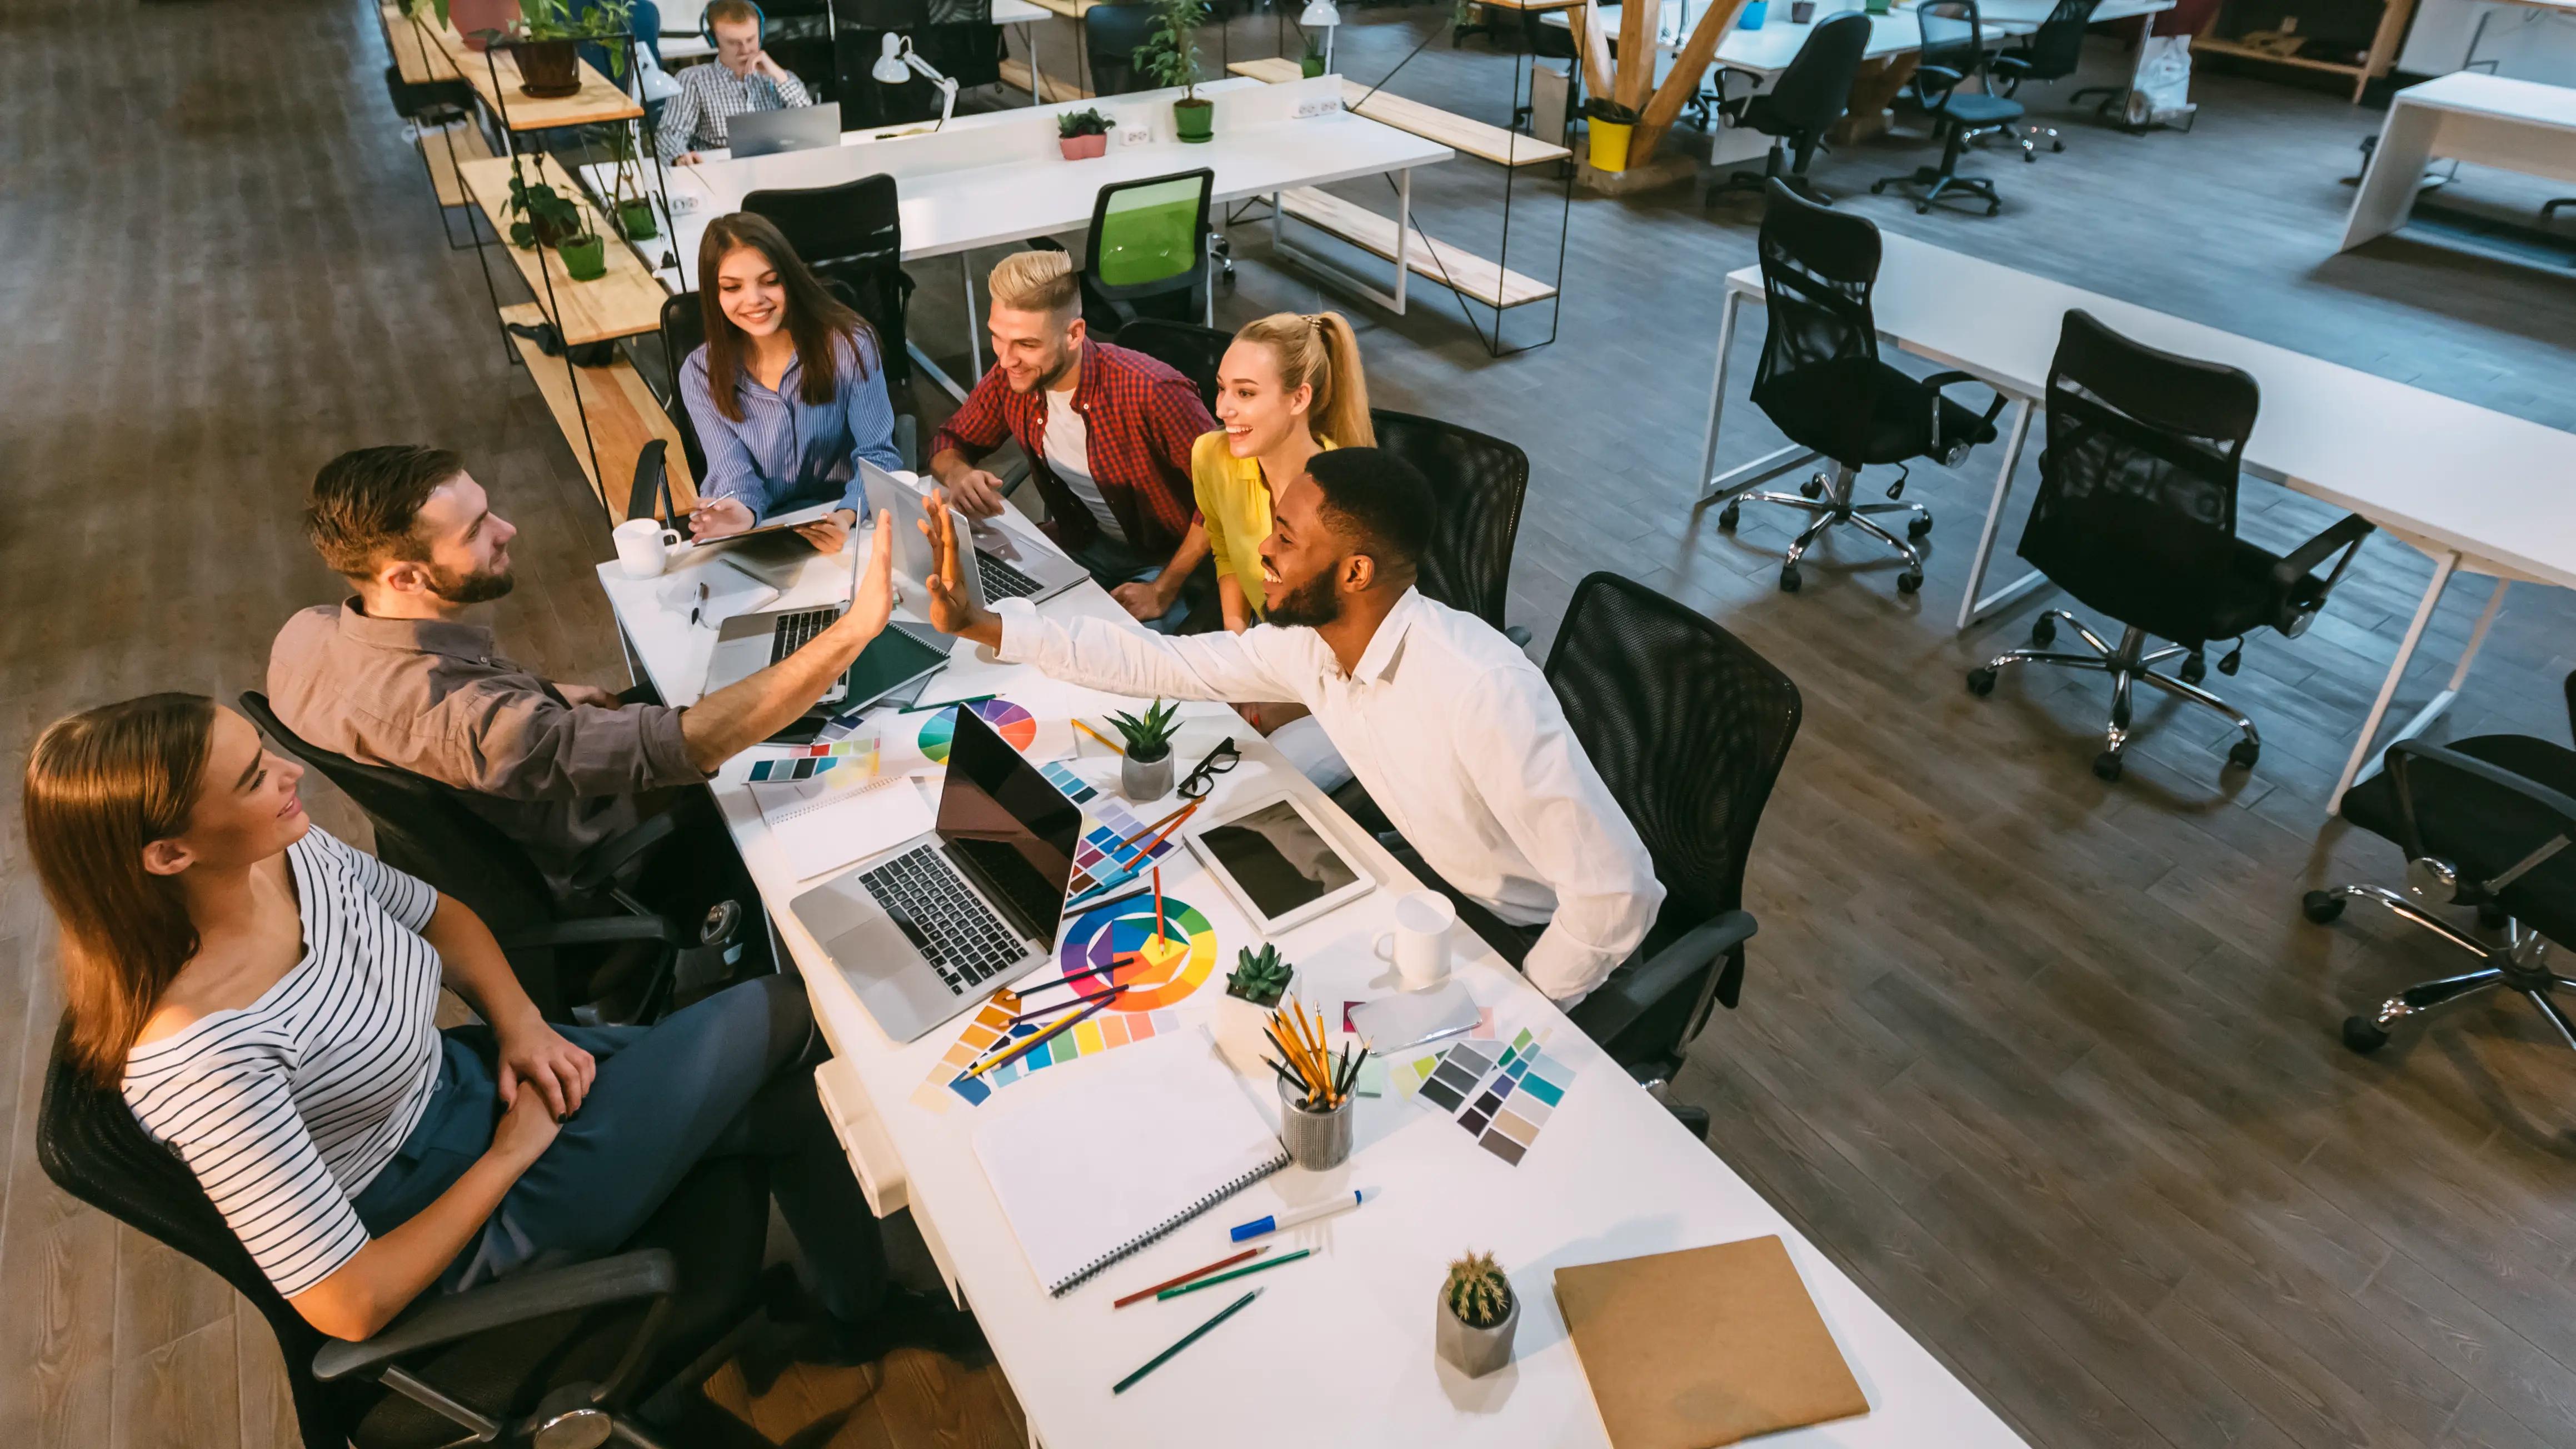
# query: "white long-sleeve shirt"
{"type": "Point", "coordinates": [1455, 734]}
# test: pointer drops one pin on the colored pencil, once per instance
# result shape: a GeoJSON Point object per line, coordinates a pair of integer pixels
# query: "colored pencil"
{"type": "Point", "coordinates": [1191, 1337]}
{"type": "Point", "coordinates": [1261, 1267]}
{"type": "Point", "coordinates": [1123, 958]}
{"type": "Point", "coordinates": [945, 703]}
{"type": "Point", "coordinates": [1087, 904]}
{"type": "Point", "coordinates": [1179, 818]}
{"type": "Point", "coordinates": [1158, 905]}
{"type": "Point", "coordinates": [1146, 830]}
{"type": "Point", "coordinates": [1141, 1294]}
{"type": "Point", "coordinates": [1067, 1005]}
{"type": "Point", "coordinates": [1284, 1074]}
{"type": "Point", "coordinates": [1042, 1038]}
{"type": "Point", "coordinates": [1104, 739]}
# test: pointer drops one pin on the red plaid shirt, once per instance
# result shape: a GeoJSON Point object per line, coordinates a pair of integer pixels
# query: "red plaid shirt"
{"type": "Point", "coordinates": [1142, 418]}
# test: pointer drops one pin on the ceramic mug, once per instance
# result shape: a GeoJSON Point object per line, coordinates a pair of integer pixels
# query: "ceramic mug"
{"type": "Point", "coordinates": [1419, 944]}
{"type": "Point", "coordinates": [644, 546]}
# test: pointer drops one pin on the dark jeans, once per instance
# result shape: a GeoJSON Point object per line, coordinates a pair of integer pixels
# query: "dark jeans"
{"type": "Point", "coordinates": [1114, 561]}
{"type": "Point", "coordinates": [732, 1076]}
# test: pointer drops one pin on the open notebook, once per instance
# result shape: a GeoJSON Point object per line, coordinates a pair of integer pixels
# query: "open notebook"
{"type": "Point", "coordinates": [1120, 1150]}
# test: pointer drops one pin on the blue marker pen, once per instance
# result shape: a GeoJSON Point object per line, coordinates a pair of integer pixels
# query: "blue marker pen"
{"type": "Point", "coordinates": [1293, 1216]}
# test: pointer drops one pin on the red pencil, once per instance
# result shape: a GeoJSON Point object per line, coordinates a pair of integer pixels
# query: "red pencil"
{"type": "Point", "coordinates": [1158, 905]}
{"type": "Point", "coordinates": [1193, 1273]}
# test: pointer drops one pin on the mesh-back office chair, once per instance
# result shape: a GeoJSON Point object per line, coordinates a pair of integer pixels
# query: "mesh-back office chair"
{"type": "Point", "coordinates": [1810, 96]}
{"type": "Point", "coordinates": [1953, 54]}
{"type": "Point", "coordinates": [2136, 517]}
{"type": "Point", "coordinates": [1688, 727]}
{"type": "Point", "coordinates": [2051, 54]}
{"type": "Point", "coordinates": [1478, 481]}
{"type": "Point", "coordinates": [1187, 348]}
{"type": "Point", "coordinates": [613, 1346]}
{"type": "Point", "coordinates": [2486, 822]}
{"type": "Point", "coordinates": [1147, 254]}
{"type": "Point", "coordinates": [423, 827]}
{"type": "Point", "coordinates": [1111, 35]}
{"type": "Point", "coordinates": [852, 233]}
{"type": "Point", "coordinates": [683, 332]}
{"type": "Point", "coordinates": [1822, 383]}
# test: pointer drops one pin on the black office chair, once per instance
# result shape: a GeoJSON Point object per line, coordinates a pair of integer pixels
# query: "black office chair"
{"type": "Point", "coordinates": [1811, 96]}
{"type": "Point", "coordinates": [1953, 55]}
{"type": "Point", "coordinates": [565, 953]}
{"type": "Point", "coordinates": [1187, 348]}
{"type": "Point", "coordinates": [852, 233]}
{"type": "Point", "coordinates": [1111, 35]}
{"type": "Point", "coordinates": [2051, 54]}
{"type": "Point", "coordinates": [1479, 481]}
{"type": "Point", "coordinates": [2136, 517]}
{"type": "Point", "coordinates": [2484, 822]}
{"type": "Point", "coordinates": [1822, 383]}
{"type": "Point", "coordinates": [1147, 253]}
{"type": "Point", "coordinates": [683, 332]}
{"type": "Point", "coordinates": [574, 1354]}
{"type": "Point", "coordinates": [1688, 727]}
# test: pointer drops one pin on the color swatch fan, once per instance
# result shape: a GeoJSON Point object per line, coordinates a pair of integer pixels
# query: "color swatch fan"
{"type": "Point", "coordinates": [1501, 1098]}
{"type": "Point", "coordinates": [1017, 727]}
{"type": "Point", "coordinates": [992, 1031]}
{"type": "Point", "coordinates": [1103, 855]}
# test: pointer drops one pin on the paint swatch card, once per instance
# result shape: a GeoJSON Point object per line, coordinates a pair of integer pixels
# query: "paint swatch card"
{"type": "Point", "coordinates": [804, 762]}
{"type": "Point", "coordinates": [1502, 1096]}
{"type": "Point", "coordinates": [1103, 856]}
{"type": "Point", "coordinates": [992, 1032]}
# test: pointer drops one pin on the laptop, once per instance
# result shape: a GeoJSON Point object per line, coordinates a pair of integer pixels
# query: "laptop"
{"type": "Point", "coordinates": [798, 128]}
{"type": "Point", "coordinates": [898, 656]}
{"type": "Point", "coordinates": [932, 927]}
{"type": "Point", "coordinates": [1035, 574]}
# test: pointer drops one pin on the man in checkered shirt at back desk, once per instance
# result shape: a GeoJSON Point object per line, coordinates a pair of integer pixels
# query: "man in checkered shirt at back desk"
{"type": "Point", "coordinates": [741, 78]}
{"type": "Point", "coordinates": [1108, 432]}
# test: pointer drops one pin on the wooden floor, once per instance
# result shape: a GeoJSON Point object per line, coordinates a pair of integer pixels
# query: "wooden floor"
{"type": "Point", "coordinates": [2050, 1066]}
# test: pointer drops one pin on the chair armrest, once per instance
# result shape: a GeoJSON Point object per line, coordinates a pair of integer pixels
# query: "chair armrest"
{"type": "Point", "coordinates": [1718, 81]}
{"type": "Point", "coordinates": [2347, 532]}
{"type": "Point", "coordinates": [1616, 1005]}
{"type": "Point", "coordinates": [2011, 65]}
{"type": "Point", "coordinates": [2401, 757]}
{"type": "Point", "coordinates": [1924, 75]}
{"type": "Point", "coordinates": [446, 1318]}
{"type": "Point", "coordinates": [603, 861]}
{"type": "Point", "coordinates": [596, 931]}
{"type": "Point", "coordinates": [1939, 380]}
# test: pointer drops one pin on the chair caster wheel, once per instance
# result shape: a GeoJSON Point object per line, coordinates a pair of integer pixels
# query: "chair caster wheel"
{"type": "Point", "coordinates": [2029, 158]}
{"type": "Point", "coordinates": [1922, 207]}
{"type": "Point", "coordinates": [2057, 146]}
{"type": "Point", "coordinates": [1789, 579]}
{"type": "Point", "coordinates": [2243, 754]}
{"type": "Point", "coordinates": [1981, 682]}
{"type": "Point", "coordinates": [2322, 907]}
{"type": "Point", "coordinates": [1878, 188]}
{"type": "Point", "coordinates": [2043, 631]}
{"type": "Point", "coordinates": [1994, 208]}
{"type": "Point", "coordinates": [1919, 527]}
{"type": "Point", "coordinates": [2107, 766]}
{"type": "Point", "coordinates": [1908, 582]}
{"type": "Point", "coordinates": [2194, 670]}
{"type": "Point", "coordinates": [2363, 1034]}
{"type": "Point", "coordinates": [1727, 516]}
{"type": "Point", "coordinates": [1812, 488]}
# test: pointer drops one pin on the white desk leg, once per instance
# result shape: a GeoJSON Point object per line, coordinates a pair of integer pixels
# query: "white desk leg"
{"type": "Point", "coordinates": [2387, 192]}
{"type": "Point", "coordinates": [974, 332]}
{"type": "Point", "coordinates": [1037, 78]}
{"type": "Point", "coordinates": [1403, 227]}
{"type": "Point", "coordinates": [2434, 707]}
{"type": "Point", "coordinates": [2443, 564]}
{"type": "Point", "coordinates": [1717, 389]}
{"type": "Point", "coordinates": [1970, 606]}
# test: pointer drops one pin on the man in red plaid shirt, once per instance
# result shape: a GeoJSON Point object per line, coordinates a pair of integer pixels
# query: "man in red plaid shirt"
{"type": "Point", "coordinates": [1108, 430]}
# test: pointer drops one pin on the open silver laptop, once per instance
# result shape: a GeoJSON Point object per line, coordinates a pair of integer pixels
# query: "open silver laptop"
{"type": "Point", "coordinates": [1003, 569]}
{"type": "Point", "coordinates": [932, 927]}
{"type": "Point", "coordinates": [749, 643]}
{"type": "Point", "coordinates": [798, 128]}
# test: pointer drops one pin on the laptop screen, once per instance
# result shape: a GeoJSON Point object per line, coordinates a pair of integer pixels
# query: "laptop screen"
{"type": "Point", "coordinates": [1011, 828]}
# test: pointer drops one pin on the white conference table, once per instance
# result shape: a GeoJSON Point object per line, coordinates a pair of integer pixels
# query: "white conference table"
{"type": "Point", "coordinates": [996, 177]}
{"type": "Point", "coordinates": [2477, 491]}
{"type": "Point", "coordinates": [2487, 120]}
{"type": "Point", "coordinates": [1349, 1332]}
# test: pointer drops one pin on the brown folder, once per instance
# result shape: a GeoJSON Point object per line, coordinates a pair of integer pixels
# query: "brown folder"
{"type": "Point", "coordinates": [1704, 1347]}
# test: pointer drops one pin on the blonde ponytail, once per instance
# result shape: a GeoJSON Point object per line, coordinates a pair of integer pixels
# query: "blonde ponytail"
{"type": "Point", "coordinates": [1320, 351]}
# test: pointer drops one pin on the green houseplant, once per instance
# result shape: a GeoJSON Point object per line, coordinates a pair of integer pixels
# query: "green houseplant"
{"type": "Point", "coordinates": [1170, 55]}
{"type": "Point", "coordinates": [542, 215]}
{"type": "Point", "coordinates": [1260, 977]}
{"type": "Point", "coordinates": [1146, 772]}
{"type": "Point", "coordinates": [1478, 1312]}
{"type": "Point", "coordinates": [627, 196]}
{"type": "Point", "coordinates": [1311, 64]}
{"type": "Point", "coordinates": [1082, 134]}
{"type": "Point", "coordinates": [546, 40]}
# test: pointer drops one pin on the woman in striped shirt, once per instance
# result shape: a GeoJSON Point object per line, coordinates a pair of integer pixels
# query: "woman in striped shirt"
{"type": "Point", "coordinates": [264, 996]}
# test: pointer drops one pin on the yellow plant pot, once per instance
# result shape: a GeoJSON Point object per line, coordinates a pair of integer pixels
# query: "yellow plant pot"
{"type": "Point", "coordinates": [1610, 145]}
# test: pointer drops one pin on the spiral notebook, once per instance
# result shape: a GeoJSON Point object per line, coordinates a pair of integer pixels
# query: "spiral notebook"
{"type": "Point", "coordinates": [1126, 1147]}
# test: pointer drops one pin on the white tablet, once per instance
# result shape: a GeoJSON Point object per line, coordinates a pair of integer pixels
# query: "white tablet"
{"type": "Point", "coordinates": [1278, 864]}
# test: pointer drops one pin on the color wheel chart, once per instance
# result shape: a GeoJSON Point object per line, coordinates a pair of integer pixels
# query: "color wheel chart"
{"type": "Point", "coordinates": [1015, 725]}
{"type": "Point", "coordinates": [1112, 824]}
{"type": "Point", "coordinates": [1093, 942]}
{"type": "Point", "coordinates": [1502, 1098]}
{"type": "Point", "coordinates": [1105, 1032]}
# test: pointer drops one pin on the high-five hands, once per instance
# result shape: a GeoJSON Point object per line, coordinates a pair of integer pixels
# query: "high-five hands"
{"type": "Point", "coordinates": [951, 611]}
{"type": "Point", "coordinates": [873, 603]}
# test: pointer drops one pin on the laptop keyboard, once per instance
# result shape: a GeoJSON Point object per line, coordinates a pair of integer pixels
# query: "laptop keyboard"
{"type": "Point", "coordinates": [1001, 581]}
{"type": "Point", "coordinates": [795, 629]}
{"type": "Point", "coordinates": [952, 928]}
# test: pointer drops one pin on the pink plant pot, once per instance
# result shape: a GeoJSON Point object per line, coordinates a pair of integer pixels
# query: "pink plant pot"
{"type": "Point", "coordinates": [1082, 148]}
{"type": "Point", "coordinates": [469, 16]}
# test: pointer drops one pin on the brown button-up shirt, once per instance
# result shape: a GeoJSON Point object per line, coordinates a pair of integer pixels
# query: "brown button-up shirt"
{"type": "Point", "coordinates": [437, 699]}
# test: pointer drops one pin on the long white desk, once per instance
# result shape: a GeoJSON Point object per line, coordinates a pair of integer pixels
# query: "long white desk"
{"type": "Point", "coordinates": [996, 177]}
{"type": "Point", "coordinates": [1611, 1175]}
{"type": "Point", "coordinates": [2487, 120]}
{"type": "Point", "coordinates": [2477, 491]}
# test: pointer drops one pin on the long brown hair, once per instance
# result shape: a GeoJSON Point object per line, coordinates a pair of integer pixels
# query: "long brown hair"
{"type": "Point", "coordinates": [1321, 351]}
{"type": "Point", "coordinates": [815, 318]}
{"type": "Point", "coordinates": [100, 786]}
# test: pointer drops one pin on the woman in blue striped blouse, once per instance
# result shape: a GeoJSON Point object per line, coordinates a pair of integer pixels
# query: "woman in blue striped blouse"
{"type": "Point", "coordinates": [788, 393]}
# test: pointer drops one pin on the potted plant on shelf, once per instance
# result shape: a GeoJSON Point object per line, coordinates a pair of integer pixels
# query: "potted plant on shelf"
{"type": "Point", "coordinates": [626, 195]}
{"type": "Point", "coordinates": [1311, 64]}
{"type": "Point", "coordinates": [546, 41]}
{"type": "Point", "coordinates": [1081, 135]}
{"type": "Point", "coordinates": [544, 216]}
{"type": "Point", "coordinates": [1478, 1312]}
{"type": "Point", "coordinates": [1146, 771]}
{"type": "Point", "coordinates": [1612, 126]}
{"type": "Point", "coordinates": [1170, 55]}
{"type": "Point", "coordinates": [475, 20]}
{"type": "Point", "coordinates": [585, 257]}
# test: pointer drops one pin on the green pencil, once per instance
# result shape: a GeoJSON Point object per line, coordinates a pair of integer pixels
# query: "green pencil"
{"type": "Point", "coordinates": [947, 703]}
{"type": "Point", "coordinates": [1191, 1337]}
{"type": "Point", "coordinates": [1237, 1273]}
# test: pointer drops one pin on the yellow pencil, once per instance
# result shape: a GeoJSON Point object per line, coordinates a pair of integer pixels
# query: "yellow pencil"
{"type": "Point", "coordinates": [1104, 739]}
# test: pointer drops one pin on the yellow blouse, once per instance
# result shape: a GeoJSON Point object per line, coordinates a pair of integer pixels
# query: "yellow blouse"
{"type": "Point", "coordinates": [1234, 499]}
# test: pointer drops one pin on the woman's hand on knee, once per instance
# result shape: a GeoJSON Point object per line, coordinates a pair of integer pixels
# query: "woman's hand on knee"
{"type": "Point", "coordinates": [535, 1056]}
{"type": "Point", "coordinates": [526, 1130]}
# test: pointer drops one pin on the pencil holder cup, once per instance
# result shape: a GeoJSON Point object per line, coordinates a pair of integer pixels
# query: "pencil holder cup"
{"type": "Point", "coordinates": [1315, 1140]}
{"type": "Point", "coordinates": [1142, 780]}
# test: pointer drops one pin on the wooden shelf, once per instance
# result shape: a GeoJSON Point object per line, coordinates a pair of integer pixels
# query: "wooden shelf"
{"type": "Point", "coordinates": [410, 60]}
{"type": "Point", "coordinates": [625, 302]}
{"type": "Point", "coordinates": [1069, 9]}
{"type": "Point", "coordinates": [623, 417]}
{"type": "Point", "coordinates": [2212, 45]}
{"type": "Point", "coordinates": [1465, 273]}
{"type": "Point", "coordinates": [467, 138]}
{"type": "Point", "coordinates": [1015, 73]}
{"type": "Point", "coordinates": [597, 102]}
{"type": "Point", "coordinates": [1458, 133]}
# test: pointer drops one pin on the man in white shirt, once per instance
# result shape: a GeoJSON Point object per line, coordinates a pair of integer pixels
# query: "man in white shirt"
{"type": "Point", "coordinates": [1455, 734]}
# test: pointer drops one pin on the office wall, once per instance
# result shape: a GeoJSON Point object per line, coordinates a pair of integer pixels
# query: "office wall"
{"type": "Point", "coordinates": [2526, 43]}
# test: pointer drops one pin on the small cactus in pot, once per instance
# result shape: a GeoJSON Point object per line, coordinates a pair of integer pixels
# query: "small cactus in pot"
{"type": "Point", "coordinates": [1478, 1312]}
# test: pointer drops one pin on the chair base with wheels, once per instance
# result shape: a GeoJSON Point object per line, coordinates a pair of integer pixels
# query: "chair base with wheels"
{"type": "Point", "coordinates": [1776, 165]}
{"type": "Point", "coordinates": [2520, 964]}
{"type": "Point", "coordinates": [2128, 663]}
{"type": "Point", "coordinates": [1830, 500]}
{"type": "Point", "coordinates": [1963, 120]}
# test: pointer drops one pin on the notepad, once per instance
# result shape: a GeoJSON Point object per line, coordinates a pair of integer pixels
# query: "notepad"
{"type": "Point", "coordinates": [1125, 1148]}
{"type": "Point", "coordinates": [829, 820]}
{"type": "Point", "coordinates": [1704, 1347]}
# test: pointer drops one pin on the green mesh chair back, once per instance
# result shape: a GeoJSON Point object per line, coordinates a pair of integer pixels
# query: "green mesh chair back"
{"type": "Point", "coordinates": [1148, 251]}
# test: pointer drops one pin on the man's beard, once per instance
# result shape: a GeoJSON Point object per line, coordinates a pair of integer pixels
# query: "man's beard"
{"type": "Point", "coordinates": [1310, 605]}
{"type": "Point", "coordinates": [1056, 370]}
{"type": "Point", "coordinates": [474, 588]}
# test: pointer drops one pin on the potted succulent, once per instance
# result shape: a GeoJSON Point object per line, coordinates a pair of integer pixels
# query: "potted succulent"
{"type": "Point", "coordinates": [545, 217]}
{"type": "Point", "coordinates": [546, 42]}
{"type": "Point", "coordinates": [1478, 1312]}
{"type": "Point", "coordinates": [1170, 55]}
{"type": "Point", "coordinates": [1081, 135]}
{"type": "Point", "coordinates": [1259, 977]}
{"type": "Point", "coordinates": [1146, 772]}
{"type": "Point", "coordinates": [1311, 64]}
{"type": "Point", "coordinates": [1612, 126]}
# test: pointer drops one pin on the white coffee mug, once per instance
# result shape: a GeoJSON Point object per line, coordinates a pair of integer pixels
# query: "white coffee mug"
{"type": "Point", "coordinates": [1419, 944]}
{"type": "Point", "coordinates": [644, 546]}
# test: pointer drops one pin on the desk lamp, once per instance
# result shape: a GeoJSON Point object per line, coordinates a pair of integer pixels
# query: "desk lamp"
{"type": "Point", "coordinates": [1322, 15]}
{"type": "Point", "coordinates": [895, 64]}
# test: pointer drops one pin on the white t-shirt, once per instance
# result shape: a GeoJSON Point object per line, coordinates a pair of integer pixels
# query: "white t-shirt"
{"type": "Point", "coordinates": [1068, 456]}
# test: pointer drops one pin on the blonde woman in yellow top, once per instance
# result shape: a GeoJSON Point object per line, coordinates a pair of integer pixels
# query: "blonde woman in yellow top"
{"type": "Point", "coordinates": [1288, 388]}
